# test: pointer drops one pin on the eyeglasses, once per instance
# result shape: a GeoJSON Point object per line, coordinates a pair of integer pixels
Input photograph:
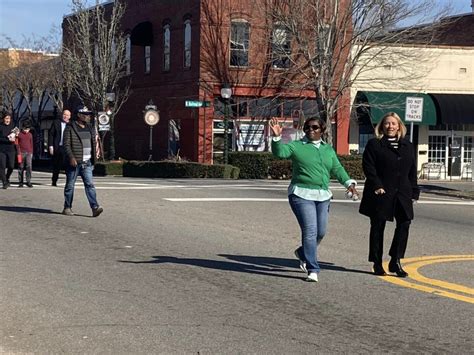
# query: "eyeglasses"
{"type": "Point", "coordinates": [314, 127]}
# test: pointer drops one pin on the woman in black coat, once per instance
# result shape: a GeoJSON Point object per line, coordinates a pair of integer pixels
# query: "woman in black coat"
{"type": "Point", "coordinates": [390, 190]}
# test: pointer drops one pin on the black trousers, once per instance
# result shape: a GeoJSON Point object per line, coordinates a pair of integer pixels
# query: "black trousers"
{"type": "Point", "coordinates": [400, 237]}
{"type": "Point", "coordinates": [58, 163]}
{"type": "Point", "coordinates": [7, 161]}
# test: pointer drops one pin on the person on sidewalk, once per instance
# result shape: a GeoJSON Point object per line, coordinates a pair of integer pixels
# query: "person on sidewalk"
{"type": "Point", "coordinates": [80, 152]}
{"type": "Point", "coordinates": [7, 149]}
{"type": "Point", "coordinates": [313, 161]}
{"type": "Point", "coordinates": [25, 146]}
{"type": "Point", "coordinates": [55, 144]}
{"type": "Point", "coordinates": [389, 191]}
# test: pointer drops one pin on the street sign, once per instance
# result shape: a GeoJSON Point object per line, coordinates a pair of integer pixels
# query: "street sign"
{"type": "Point", "coordinates": [414, 109]}
{"type": "Point", "coordinates": [196, 103]}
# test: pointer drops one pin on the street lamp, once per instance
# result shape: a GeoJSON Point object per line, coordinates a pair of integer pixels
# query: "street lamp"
{"type": "Point", "coordinates": [226, 94]}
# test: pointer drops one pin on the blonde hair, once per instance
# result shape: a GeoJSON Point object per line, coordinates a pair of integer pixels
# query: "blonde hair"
{"type": "Point", "coordinates": [402, 130]}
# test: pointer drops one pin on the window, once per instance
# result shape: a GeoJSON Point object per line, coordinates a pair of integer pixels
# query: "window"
{"type": "Point", "coordinates": [281, 47]}
{"type": "Point", "coordinates": [147, 59]}
{"type": "Point", "coordinates": [166, 48]}
{"type": "Point", "coordinates": [437, 149]}
{"type": "Point", "coordinates": [239, 43]}
{"type": "Point", "coordinates": [128, 53]}
{"type": "Point", "coordinates": [467, 158]}
{"type": "Point", "coordinates": [187, 44]}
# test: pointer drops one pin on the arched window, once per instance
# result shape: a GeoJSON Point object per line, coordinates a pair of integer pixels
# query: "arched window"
{"type": "Point", "coordinates": [128, 53]}
{"type": "Point", "coordinates": [239, 43]}
{"type": "Point", "coordinates": [166, 47]}
{"type": "Point", "coordinates": [187, 43]}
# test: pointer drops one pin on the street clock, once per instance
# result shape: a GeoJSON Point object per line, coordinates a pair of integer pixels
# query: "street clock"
{"type": "Point", "coordinates": [151, 117]}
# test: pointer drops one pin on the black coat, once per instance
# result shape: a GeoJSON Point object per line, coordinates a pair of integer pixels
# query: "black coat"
{"type": "Point", "coordinates": [392, 169]}
{"type": "Point", "coordinates": [54, 135]}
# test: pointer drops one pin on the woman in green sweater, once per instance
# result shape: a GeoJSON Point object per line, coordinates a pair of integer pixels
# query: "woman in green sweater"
{"type": "Point", "coordinates": [314, 161]}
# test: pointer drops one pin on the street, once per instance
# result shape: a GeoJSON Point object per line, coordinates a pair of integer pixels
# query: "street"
{"type": "Point", "coordinates": [207, 267]}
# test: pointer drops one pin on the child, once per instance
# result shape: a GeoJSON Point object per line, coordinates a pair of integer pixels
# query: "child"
{"type": "Point", "coordinates": [25, 144]}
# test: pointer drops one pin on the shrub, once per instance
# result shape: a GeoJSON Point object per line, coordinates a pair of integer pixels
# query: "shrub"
{"type": "Point", "coordinates": [108, 168]}
{"type": "Point", "coordinates": [353, 166]}
{"type": "Point", "coordinates": [280, 169]}
{"type": "Point", "coordinates": [252, 165]}
{"type": "Point", "coordinates": [173, 169]}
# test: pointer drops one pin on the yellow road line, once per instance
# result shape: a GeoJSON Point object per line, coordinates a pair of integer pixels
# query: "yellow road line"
{"type": "Point", "coordinates": [412, 264]}
{"type": "Point", "coordinates": [412, 270]}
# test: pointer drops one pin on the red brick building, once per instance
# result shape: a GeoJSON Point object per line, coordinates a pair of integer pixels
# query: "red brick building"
{"type": "Point", "coordinates": [186, 50]}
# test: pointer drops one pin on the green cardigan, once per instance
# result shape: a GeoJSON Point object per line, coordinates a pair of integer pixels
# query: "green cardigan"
{"type": "Point", "coordinates": [312, 167]}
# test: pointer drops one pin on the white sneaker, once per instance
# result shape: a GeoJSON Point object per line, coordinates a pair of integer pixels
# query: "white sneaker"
{"type": "Point", "coordinates": [302, 263]}
{"type": "Point", "coordinates": [312, 277]}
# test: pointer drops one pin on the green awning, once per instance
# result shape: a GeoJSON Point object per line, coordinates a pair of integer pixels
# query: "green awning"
{"type": "Point", "coordinates": [379, 103]}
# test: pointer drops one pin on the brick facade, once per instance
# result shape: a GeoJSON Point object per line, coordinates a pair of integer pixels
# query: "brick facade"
{"type": "Point", "coordinates": [210, 27]}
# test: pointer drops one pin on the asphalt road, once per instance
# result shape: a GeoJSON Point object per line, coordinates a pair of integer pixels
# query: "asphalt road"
{"type": "Point", "coordinates": [163, 271]}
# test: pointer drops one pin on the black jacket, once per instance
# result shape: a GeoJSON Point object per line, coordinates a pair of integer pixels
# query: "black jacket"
{"type": "Point", "coordinates": [392, 169]}
{"type": "Point", "coordinates": [5, 144]}
{"type": "Point", "coordinates": [73, 145]}
{"type": "Point", "coordinates": [54, 135]}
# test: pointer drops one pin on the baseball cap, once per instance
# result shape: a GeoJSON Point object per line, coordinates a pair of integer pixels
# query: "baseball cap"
{"type": "Point", "coordinates": [83, 110]}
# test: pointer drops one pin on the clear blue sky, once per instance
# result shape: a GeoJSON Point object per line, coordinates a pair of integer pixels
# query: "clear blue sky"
{"type": "Point", "coordinates": [28, 18]}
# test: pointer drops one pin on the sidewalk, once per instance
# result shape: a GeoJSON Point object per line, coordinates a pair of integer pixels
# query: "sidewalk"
{"type": "Point", "coordinates": [462, 189]}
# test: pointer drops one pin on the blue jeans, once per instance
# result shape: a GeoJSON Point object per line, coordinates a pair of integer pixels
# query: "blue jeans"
{"type": "Point", "coordinates": [85, 171]}
{"type": "Point", "coordinates": [312, 217]}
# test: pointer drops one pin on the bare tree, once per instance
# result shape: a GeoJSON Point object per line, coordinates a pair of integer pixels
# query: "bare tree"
{"type": "Point", "coordinates": [94, 57]}
{"type": "Point", "coordinates": [324, 45]}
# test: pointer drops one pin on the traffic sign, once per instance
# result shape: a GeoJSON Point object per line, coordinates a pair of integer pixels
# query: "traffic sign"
{"type": "Point", "coordinates": [196, 103]}
{"type": "Point", "coordinates": [414, 109]}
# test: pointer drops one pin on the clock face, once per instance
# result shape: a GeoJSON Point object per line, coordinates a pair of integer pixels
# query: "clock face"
{"type": "Point", "coordinates": [152, 117]}
{"type": "Point", "coordinates": [104, 119]}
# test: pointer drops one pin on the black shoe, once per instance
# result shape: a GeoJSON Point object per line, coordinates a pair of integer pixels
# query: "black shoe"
{"type": "Point", "coordinates": [395, 266]}
{"type": "Point", "coordinates": [379, 270]}
{"type": "Point", "coordinates": [5, 185]}
{"type": "Point", "coordinates": [20, 184]}
{"type": "Point", "coordinates": [29, 184]}
{"type": "Point", "coordinates": [54, 183]}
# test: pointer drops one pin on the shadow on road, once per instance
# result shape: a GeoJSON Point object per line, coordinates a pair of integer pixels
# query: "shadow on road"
{"type": "Point", "coordinates": [259, 265]}
{"type": "Point", "coordinates": [19, 209]}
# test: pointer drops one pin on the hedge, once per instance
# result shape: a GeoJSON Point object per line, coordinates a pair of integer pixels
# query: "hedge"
{"type": "Point", "coordinates": [172, 169]}
{"type": "Point", "coordinates": [108, 168]}
{"type": "Point", "coordinates": [259, 165]}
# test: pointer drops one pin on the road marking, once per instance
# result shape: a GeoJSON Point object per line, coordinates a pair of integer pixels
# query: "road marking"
{"type": "Point", "coordinates": [411, 265]}
{"type": "Point", "coordinates": [250, 199]}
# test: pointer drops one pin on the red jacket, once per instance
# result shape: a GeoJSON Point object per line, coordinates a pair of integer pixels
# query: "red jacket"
{"type": "Point", "coordinates": [25, 142]}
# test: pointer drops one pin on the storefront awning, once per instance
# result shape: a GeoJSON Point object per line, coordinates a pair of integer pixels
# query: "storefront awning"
{"type": "Point", "coordinates": [455, 108]}
{"type": "Point", "coordinates": [379, 103]}
{"type": "Point", "coordinates": [142, 34]}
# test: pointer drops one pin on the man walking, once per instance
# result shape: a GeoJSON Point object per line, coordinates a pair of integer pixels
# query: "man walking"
{"type": "Point", "coordinates": [55, 144]}
{"type": "Point", "coordinates": [80, 152]}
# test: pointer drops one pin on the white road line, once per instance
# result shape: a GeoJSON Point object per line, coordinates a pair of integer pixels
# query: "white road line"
{"type": "Point", "coordinates": [244, 199]}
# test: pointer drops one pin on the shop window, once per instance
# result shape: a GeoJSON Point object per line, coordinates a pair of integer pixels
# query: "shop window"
{"type": "Point", "coordinates": [239, 43]}
{"type": "Point", "coordinates": [437, 149]}
{"type": "Point", "coordinates": [174, 128]}
{"type": "Point", "coordinates": [264, 108]}
{"type": "Point", "coordinates": [310, 108]}
{"type": "Point", "coordinates": [468, 145]}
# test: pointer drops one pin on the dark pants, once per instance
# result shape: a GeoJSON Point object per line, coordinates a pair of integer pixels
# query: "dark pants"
{"type": "Point", "coordinates": [58, 163]}
{"type": "Point", "coordinates": [7, 161]}
{"type": "Point", "coordinates": [400, 237]}
{"type": "Point", "coordinates": [25, 166]}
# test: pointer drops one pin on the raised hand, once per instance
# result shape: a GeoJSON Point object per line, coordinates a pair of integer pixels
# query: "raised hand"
{"type": "Point", "coordinates": [275, 127]}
